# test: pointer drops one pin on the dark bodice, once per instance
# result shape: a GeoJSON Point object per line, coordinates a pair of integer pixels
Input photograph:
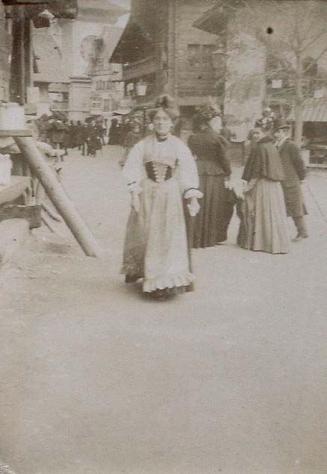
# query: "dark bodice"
{"type": "Point", "coordinates": [264, 162]}
{"type": "Point", "coordinates": [209, 150]}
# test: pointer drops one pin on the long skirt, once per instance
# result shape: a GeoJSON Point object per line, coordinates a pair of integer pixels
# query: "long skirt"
{"type": "Point", "coordinates": [156, 247]}
{"type": "Point", "coordinates": [211, 224]}
{"type": "Point", "coordinates": [263, 219]}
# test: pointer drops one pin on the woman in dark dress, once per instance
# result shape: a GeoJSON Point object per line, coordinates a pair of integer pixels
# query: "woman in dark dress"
{"type": "Point", "coordinates": [93, 141]}
{"type": "Point", "coordinates": [114, 132]}
{"type": "Point", "coordinates": [132, 137]}
{"type": "Point", "coordinates": [209, 149]}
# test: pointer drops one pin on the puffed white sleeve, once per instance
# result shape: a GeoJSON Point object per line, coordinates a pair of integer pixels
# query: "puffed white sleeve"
{"type": "Point", "coordinates": [188, 173]}
{"type": "Point", "coordinates": [133, 170]}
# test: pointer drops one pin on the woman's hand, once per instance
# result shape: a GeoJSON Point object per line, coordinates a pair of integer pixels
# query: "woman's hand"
{"type": "Point", "coordinates": [250, 185]}
{"type": "Point", "coordinates": [193, 206]}
{"type": "Point", "coordinates": [228, 183]}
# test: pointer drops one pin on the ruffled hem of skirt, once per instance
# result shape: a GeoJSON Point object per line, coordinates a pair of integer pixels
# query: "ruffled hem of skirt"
{"type": "Point", "coordinates": [168, 281]}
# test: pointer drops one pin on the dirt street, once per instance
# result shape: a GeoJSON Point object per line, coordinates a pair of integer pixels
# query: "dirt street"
{"type": "Point", "coordinates": [97, 379]}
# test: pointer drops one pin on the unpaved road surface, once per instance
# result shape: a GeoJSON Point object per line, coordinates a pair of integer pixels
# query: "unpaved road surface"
{"type": "Point", "coordinates": [95, 379]}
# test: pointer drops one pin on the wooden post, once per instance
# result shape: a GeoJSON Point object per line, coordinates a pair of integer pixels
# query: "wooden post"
{"type": "Point", "coordinates": [58, 196]}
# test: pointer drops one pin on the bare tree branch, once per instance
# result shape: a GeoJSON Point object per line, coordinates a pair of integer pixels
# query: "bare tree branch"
{"type": "Point", "coordinates": [314, 39]}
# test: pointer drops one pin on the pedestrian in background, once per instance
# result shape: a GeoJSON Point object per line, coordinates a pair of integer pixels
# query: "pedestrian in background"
{"type": "Point", "coordinates": [93, 141]}
{"type": "Point", "coordinates": [160, 171]}
{"type": "Point", "coordinates": [134, 135]}
{"type": "Point", "coordinates": [85, 135]}
{"type": "Point", "coordinates": [263, 213]}
{"type": "Point", "coordinates": [294, 170]}
{"type": "Point", "coordinates": [211, 224]}
{"type": "Point", "coordinates": [79, 135]}
{"type": "Point", "coordinates": [114, 132]}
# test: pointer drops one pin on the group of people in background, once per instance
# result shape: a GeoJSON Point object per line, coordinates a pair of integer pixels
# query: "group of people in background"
{"type": "Point", "coordinates": [183, 195]}
{"type": "Point", "coordinates": [57, 131]}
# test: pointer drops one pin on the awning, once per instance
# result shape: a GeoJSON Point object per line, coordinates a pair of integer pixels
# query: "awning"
{"type": "Point", "coordinates": [315, 110]}
{"type": "Point", "coordinates": [121, 112]}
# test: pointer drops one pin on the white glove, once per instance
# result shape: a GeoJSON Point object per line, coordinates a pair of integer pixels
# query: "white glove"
{"type": "Point", "coordinates": [228, 184]}
{"type": "Point", "coordinates": [135, 202]}
{"type": "Point", "coordinates": [193, 207]}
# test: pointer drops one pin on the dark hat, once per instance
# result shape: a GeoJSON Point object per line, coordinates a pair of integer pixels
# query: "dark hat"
{"type": "Point", "coordinates": [206, 112]}
{"type": "Point", "coordinates": [134, 120]}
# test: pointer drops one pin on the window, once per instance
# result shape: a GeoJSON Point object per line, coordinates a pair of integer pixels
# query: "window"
{"type": "Point", "coordinates": [207, 52]}
{"type": "Point", "coordinates": [194, 54]}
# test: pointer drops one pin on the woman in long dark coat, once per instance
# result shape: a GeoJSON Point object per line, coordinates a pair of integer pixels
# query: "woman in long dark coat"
{"type": "Point", "coordinates": [263, 215]}
{"type": "Point", "coordinates": [211, 224]}
{"type": "Point", "coordinates": [114, 132]}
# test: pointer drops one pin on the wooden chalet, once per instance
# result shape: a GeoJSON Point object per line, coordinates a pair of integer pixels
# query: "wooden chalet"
{"type": "Point", "coordinates": [161, 51]}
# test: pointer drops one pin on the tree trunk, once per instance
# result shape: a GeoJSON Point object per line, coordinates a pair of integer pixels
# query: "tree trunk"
{"type": "Point", "coordinates": [299, 101]}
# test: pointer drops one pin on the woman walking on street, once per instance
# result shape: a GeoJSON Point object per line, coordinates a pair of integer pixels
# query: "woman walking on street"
{"type": "Point", "coordinates": [263, 213]}
{"type": "Point", "coordinates": [211, 224]}
{"type": "Point", "coordinates": [160, 172]}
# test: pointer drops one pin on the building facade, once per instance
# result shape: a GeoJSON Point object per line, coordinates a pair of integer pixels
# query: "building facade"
{"type": "Point", "coordinates": [161, 51]}
{"type": "Point", "coordinates": [107, 89]}
{"type": "Point", "coordinates": [66, 54]}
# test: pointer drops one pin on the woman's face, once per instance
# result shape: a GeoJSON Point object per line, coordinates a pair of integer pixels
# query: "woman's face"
{"type": "Point", "coordinates": [257, 134]}
{"type": "Point", "coordinates": [162, 123]}
{"type": "Point", "coordinates": [216, 124]}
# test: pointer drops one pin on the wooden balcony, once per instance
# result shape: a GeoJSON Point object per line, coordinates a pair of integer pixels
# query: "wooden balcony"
{"type": "Point", "coordinates": [140, 68]}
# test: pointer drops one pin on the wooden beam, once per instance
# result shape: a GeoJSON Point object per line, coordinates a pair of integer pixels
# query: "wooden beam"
{"type": "Point", "coordinates": [58, 197]}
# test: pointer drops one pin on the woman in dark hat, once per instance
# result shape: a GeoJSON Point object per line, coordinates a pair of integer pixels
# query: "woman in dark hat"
{"type": "Point", "coordinates": [263, 214]}
{"type": "Point", "coordinates": [209, 148]}
{"type": "Point", "coordinates": [133, 136]}
{"type": "Point", "coordinates": [160, 171]}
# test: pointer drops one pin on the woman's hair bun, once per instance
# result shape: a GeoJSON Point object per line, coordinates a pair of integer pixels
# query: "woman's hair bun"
{"type": "Point", "coordinates": [165, 101]}
{"type": "Point", "coordinates": [168, 104]}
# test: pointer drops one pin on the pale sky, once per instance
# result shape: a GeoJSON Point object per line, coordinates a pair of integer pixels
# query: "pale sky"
{"type": "Point", "coordinates": [122, 21]}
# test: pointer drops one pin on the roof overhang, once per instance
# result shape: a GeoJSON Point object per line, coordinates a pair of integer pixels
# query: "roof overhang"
{"type": "Point", "coordinates": [213, 20]}
{"type": "Point", "coordinates": [131, 44]}
{"type": "Point", "coordinates": [314, 110]}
